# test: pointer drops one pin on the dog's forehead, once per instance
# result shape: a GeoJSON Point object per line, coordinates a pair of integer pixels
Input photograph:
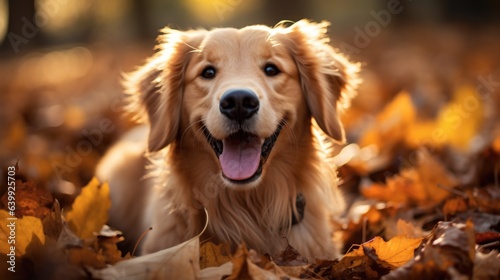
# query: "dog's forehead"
{"type": "Point", "coordinates": [236, 42]}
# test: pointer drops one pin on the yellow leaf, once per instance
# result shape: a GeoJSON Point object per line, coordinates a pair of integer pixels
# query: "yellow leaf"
{"type": "Point", "coordinates": [392, 123]}
{"type": "Point", "coordinates": [460, 120]}
{"type": "Point", "coordinates": [212, 255]}
{"type": "Point", "coordinates": [90, 210]}
{"type": "Point", "coordinates": [24, 231]}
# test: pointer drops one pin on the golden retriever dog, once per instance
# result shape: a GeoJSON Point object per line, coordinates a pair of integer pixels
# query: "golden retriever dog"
{"type": "Point", "coordinates": [237, 120]}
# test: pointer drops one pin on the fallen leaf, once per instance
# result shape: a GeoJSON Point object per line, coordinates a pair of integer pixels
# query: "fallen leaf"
{"type": "Point", "coordinates": [486, 266]}
{"type": "Point", "coordinates": [31, 200]}
{"type": "Point", "coordinates": [67, 238]}
{"type": "Point", "coordinates": [376, 258]}
{"type": "Point", "coordinates": [425, 184]}
{"type": "Point", "coordinates": [107, 231]}
{"type": "Point", "coordinates": [455, 205]}
{"type": "Point", "coordinates": [107, 240]}
{"type": "Point", "coordinates": [52, 223]}
{"type": "Point", "coordinates": [290, 257]}
{"type": "Point", "coordinates": [251, 265]}
{"type": "Point", "coordinates": [487, 237]}
{"type": "Point", "coordinates": [397, 251]}
{"type": "Point", "coordinates": [178, 262]}
{"type": "Point", "coordinates": [434, 177]}
{"type": "Point", "coordinates": [447, 253]}
{"type": "Point", "coordinates": [391, 124]}
{"type": "Point", "coordinates": [213, 255]}
{"type": "Point", "coordinates": [460, 120]}
{"type": "Point", "coordinates": [25, 230]}
{"type": "Point", "coordinates": [89, 212]}
{"type": "Point", "coordinates": [219, 272]}
{"type": "Point", "coordinates": [239, 264]}
{"type": "Point", "coordinates": [483, 222]}
{"type": "Point", "coordinates": [408, 229]}
{"type": "Point", "coordinates": [320, 268]}
{"type": "Point", "coordinates": [85, 257]}
{"type": "Point", "coordinates": [485, 199]}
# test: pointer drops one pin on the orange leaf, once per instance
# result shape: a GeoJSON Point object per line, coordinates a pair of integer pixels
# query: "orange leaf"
{"type": "Point", "coordinates": [392, 123]}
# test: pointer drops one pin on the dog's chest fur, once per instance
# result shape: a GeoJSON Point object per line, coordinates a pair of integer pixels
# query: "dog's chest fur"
{"type": "Point", "coordinates": [260, 217]}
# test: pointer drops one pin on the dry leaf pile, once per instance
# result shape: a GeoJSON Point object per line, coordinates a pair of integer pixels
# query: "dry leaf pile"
{"type": "Point", "coordinates": [421, 174]}
{"type": "Point", "coordinates": [423, 220]}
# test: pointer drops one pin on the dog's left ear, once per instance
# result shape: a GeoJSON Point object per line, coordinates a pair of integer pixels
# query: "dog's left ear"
{"type": "Point", "coordinates": [327, 78]}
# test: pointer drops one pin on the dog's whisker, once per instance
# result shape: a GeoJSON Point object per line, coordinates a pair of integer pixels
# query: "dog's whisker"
{"type": "Point", "coordinates": [187, 129]}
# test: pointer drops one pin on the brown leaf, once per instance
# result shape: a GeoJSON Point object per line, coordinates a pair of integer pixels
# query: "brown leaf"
{"type": "Point", "coordinates": [455, 205]}
{"type": "Point", "coordinates": [251, 265]}
{"type": "Point", "coordinates": [67, 238]}
{"type": "Point", "coordinates": [31, 200]}
{"type": "Point", "coordinates": [485, 199]}
{"type": "Point", "coordinates": [290, 257]}
{"type": "Point", "coordinates": [109, 250]}
{"type": "Point", "coordinates": [213, 255]}
{"type": "Point", "coordinates": [85, 257]}
{"type": "Point", "coordinates": [107, 238]}
{"type": "Point", "coordinates": [239, 264]}
{"type": "Point", "coordinates": [483, 222]}
{"type": "Point", "coordinates": [52, 223]}
{"type": "Point", "coordinates": [486, 266]}
{"type": "Point", "coordinates": [321, 268]}
{"type": "Point", "coordinates": [408, 229]}
{"type": "Point", "coordinates": [487, 237]}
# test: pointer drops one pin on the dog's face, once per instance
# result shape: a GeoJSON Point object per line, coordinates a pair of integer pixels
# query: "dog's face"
{"type": "Point", "coordinates": [235, 90]}
{"type": "Point", "coordinates": [241, 88]}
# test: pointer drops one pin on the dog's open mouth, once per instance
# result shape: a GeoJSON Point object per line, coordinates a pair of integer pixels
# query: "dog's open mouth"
{"type": "Point", "coordinates": [242, 154]}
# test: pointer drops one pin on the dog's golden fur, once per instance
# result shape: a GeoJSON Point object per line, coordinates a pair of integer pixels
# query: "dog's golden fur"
{"type": "Point", "coordinates": [181, 107]}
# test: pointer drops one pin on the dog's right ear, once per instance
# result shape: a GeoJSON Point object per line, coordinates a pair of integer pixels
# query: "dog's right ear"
{"type": "Point", "coordinates": [155, 90]}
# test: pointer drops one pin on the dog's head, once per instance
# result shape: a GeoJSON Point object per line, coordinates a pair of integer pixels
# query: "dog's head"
{"type": "Point", "coordinates": [235, 90]}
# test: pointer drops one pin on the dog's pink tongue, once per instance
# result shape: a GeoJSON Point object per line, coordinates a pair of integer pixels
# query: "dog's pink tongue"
{"type": "Point", "coordinates": [240, 156]}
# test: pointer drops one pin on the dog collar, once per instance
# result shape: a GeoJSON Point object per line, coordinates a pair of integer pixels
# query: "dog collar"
{"type": "Point", "coordinates": [300, 205]}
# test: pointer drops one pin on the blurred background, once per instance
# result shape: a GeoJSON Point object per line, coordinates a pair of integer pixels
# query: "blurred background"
{"type": "Point", "coordinates": [61, 63]}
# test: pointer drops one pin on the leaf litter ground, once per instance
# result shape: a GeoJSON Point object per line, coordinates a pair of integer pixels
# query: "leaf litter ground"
{"type": "Point", "coordinates": [421, 174]}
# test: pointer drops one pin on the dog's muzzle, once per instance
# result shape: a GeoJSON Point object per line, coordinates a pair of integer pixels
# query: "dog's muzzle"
{"type": "Point", "coordinates": [242, 155]}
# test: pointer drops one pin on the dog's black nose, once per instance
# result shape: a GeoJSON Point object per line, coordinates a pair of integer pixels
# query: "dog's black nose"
{"type": "Point", "coordinates": [239, 104]}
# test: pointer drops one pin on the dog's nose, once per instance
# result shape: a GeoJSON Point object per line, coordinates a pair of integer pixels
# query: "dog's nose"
{"type": "Point", "coordinates": [239, 104]}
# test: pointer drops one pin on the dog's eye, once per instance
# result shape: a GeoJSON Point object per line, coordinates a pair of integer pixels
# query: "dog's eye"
{"type": "Point", "coordinates": [271, 69]}
{"type": "Point", "coordinates": [208, 72]}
